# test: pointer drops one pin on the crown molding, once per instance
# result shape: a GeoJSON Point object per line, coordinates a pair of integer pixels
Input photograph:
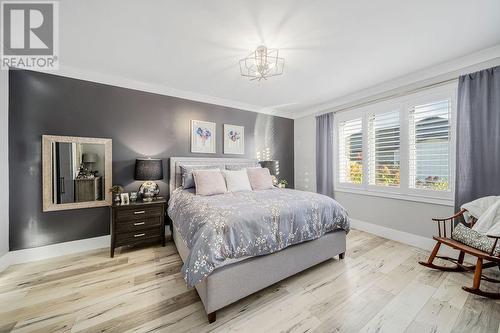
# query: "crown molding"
{"type": "Point", "coordinates": [449, 70]}
{"type": "Point", "coordinates": [444, 71]}
{"type": "Point", "coordinates": [123, 82]}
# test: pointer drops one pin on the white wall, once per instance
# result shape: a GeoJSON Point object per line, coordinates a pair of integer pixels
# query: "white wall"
{"type": "Point", "coordinates": [305, 153]}
{"type": "Point", "coordinates": [407, 216]}
{"type": "Point", "coordinates": [4, 163]}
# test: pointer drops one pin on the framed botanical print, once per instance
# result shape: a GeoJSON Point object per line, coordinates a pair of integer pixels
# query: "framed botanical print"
{"type": "Point", "coordinates": [234, 139]}
{"type": "Point", "coordinates": [202, 137]}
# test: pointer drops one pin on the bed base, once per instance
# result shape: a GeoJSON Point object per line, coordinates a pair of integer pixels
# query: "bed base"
{"type": "Point", "coordinates": [233, 282]}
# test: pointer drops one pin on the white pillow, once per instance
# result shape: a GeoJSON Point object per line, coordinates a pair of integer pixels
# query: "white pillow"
{"type": "Point", "coordinates": [237, 181]}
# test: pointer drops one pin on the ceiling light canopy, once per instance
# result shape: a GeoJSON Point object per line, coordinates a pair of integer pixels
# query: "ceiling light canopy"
{"type": "Point", "coordinates": [261, 64]}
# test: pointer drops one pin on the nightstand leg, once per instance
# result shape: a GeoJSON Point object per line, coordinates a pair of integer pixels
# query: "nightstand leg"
{"type": "Point", "coordinates": [112, 249]}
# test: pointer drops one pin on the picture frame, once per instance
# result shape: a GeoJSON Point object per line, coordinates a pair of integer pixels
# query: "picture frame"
{"type": "Point", "coordinates": [234, 139]}
{"type": "Point", "coordinates": [125, 199]}
{"type": "Point", "coordinates": [203, 137]}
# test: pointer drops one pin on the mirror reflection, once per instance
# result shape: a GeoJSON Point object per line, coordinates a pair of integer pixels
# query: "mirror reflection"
{"type": "Point", "coordinates": [78, 172]}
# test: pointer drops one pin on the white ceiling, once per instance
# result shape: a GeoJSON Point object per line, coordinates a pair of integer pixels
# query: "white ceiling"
{"type": "Point", "coordinates": [331, 48]}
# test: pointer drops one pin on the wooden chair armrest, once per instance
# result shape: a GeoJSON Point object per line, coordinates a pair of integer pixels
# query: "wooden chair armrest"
{"type": "Point", "coordinates": [460, 213]}
{"type": "Point", "coordinates": [451, 226]}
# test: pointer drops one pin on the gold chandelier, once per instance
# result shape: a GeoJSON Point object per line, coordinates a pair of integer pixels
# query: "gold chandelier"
{"type": "Point", "coordinates": [261, 64]}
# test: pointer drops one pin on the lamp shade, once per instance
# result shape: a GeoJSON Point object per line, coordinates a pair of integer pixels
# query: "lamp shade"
{"type": "Point", "coordinates": [272, 165]}
{"type": "Point", "coordinates": [148, 169]}
{"type": "Point", "coordinates": [89, 158]}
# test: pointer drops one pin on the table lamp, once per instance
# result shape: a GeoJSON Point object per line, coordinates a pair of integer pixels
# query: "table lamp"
{"type": "Point", "coordinates": [149, 169]}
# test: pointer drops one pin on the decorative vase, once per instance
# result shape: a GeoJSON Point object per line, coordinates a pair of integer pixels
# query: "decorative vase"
{"type": "Point", "coordinates": [149, 190]}
{"type": "Point", "coordinates": [117, 198]}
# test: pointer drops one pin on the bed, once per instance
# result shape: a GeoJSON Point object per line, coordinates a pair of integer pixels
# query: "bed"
{"type": "Point", "coordinates": [232, 269]}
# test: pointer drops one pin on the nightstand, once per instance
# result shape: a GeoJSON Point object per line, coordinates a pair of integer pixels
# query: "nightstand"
{"type": "Point", "coordinates": [137, 223]}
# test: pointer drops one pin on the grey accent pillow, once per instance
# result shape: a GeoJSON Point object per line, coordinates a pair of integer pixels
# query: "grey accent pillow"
{"type": "Point", "coordinates": [187, 173]}
{"type": "Point", "coordinates": [473, 239]}
{"type": "Point", "coordinates": [209, 182]}
{"type": "Point", "coordinates": [241, 166]}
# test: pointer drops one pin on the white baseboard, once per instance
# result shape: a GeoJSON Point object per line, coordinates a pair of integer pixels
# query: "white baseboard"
{"type": "Point", "coordinates": [4, 261]}
{"type": "Point", "coordinates": [402, 237]}
{"type": "Point", "coordinates": [54, 250]}
{"type": "Point", "coordinates": [61, 249]}
{"type": "Point", "coordinates": [393, 234]}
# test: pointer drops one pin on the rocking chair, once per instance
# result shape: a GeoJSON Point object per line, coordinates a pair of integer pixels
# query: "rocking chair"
{"type": "Point", "coordinates": [484, 259]}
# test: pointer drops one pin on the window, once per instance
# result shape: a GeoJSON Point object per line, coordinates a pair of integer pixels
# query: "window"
{"type": "Point", "coordinates": [430, 146]}
{"type": "Point", "coordinates": [351, 151]}
{"type": "Point", "coordinates": [400, 148]}
{"type": "Point", "coordinates": [384, 153]}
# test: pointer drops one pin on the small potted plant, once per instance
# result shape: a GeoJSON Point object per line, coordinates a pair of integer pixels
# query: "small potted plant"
{"type": "Point", "coordinates": [282, 183]}
{"type": "Point", "coordinates": [116, 190]}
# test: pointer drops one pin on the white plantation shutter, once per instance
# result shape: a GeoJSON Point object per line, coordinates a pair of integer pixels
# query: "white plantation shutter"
{"type": "Point", "coordinates": [400, 148]}
{"type": "Point", "coordinates": [384, 149]}
{"type": "Point", "coordinates": [429, 146]}
{"type": "Point", "coordinates": [351, 151]}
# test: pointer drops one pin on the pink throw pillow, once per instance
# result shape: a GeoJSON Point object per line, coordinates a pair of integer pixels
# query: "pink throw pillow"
{"type": "Point", "coordinates": [260, 178]}
{"type": "Point", "coordinates": [209, 182]}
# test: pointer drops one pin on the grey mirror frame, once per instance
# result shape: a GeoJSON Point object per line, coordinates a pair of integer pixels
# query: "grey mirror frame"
{"type": "Point", "coordinates": [48, 204]}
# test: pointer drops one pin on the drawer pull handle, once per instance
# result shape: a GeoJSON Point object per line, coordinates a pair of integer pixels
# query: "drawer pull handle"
{"type": "Point", "coordinates": [139, 235]}
{"type": "Point", "coordinates": [140, 212]}
{"type": "Point", "coordinates": [139, 223]}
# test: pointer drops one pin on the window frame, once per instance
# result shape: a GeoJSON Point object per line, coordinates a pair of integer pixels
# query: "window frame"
{"type": "Point", "coordinates": [336, 140]}
{"type": "Point", "coordinates": [404, 105]}
{"type": "Point", "coordinates": [382, 108]}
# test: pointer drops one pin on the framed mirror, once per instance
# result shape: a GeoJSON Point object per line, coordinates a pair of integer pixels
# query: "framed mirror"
{"type": "Point", "coordinates": [76, 172]}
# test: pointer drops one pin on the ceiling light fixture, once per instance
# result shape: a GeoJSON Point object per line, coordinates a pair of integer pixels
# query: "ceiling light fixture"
{"type": "Point", "coordinates": [261, 64]}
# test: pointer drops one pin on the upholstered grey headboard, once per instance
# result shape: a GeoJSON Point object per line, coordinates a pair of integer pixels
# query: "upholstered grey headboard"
{"type": "Point", "coordinates": [175, 162]}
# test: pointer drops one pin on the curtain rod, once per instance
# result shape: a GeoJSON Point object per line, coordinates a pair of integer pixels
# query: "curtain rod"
{"type": "Point", "coordinates": [385, 98]}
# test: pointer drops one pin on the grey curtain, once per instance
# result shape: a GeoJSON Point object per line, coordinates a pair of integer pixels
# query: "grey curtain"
{"type": "Point", "coordinates": [478, 136]}
{"type": "Point", "coordinates": [324, 154]}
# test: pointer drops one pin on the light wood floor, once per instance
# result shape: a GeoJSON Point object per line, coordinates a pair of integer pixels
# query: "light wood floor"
{"type": "Point", "coordinates": [379, 287]}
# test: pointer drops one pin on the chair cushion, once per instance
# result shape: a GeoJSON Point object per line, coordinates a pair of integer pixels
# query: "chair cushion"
{"type": "Point", "coordinates": [472, 238]}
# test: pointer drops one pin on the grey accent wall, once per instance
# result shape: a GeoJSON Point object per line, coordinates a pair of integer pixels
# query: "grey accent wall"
{"type": "Point", "coordinates": [4, 166]}
{"type": "Point", "coordinates": [141, 125]}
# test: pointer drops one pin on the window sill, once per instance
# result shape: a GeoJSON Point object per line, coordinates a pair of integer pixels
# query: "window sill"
{"type": "Point", "coordinates": [397, 196]}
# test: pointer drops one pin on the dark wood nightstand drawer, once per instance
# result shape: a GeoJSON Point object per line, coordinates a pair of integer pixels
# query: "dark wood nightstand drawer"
{"type": "Point", "coordinates": [138, 213]}
{"type": "Point", "coordinates": [131, 238]}
{"type": "Point", "coordinates": [138, 222]}
{"type": "Point", "coordinates": [134, 225]}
